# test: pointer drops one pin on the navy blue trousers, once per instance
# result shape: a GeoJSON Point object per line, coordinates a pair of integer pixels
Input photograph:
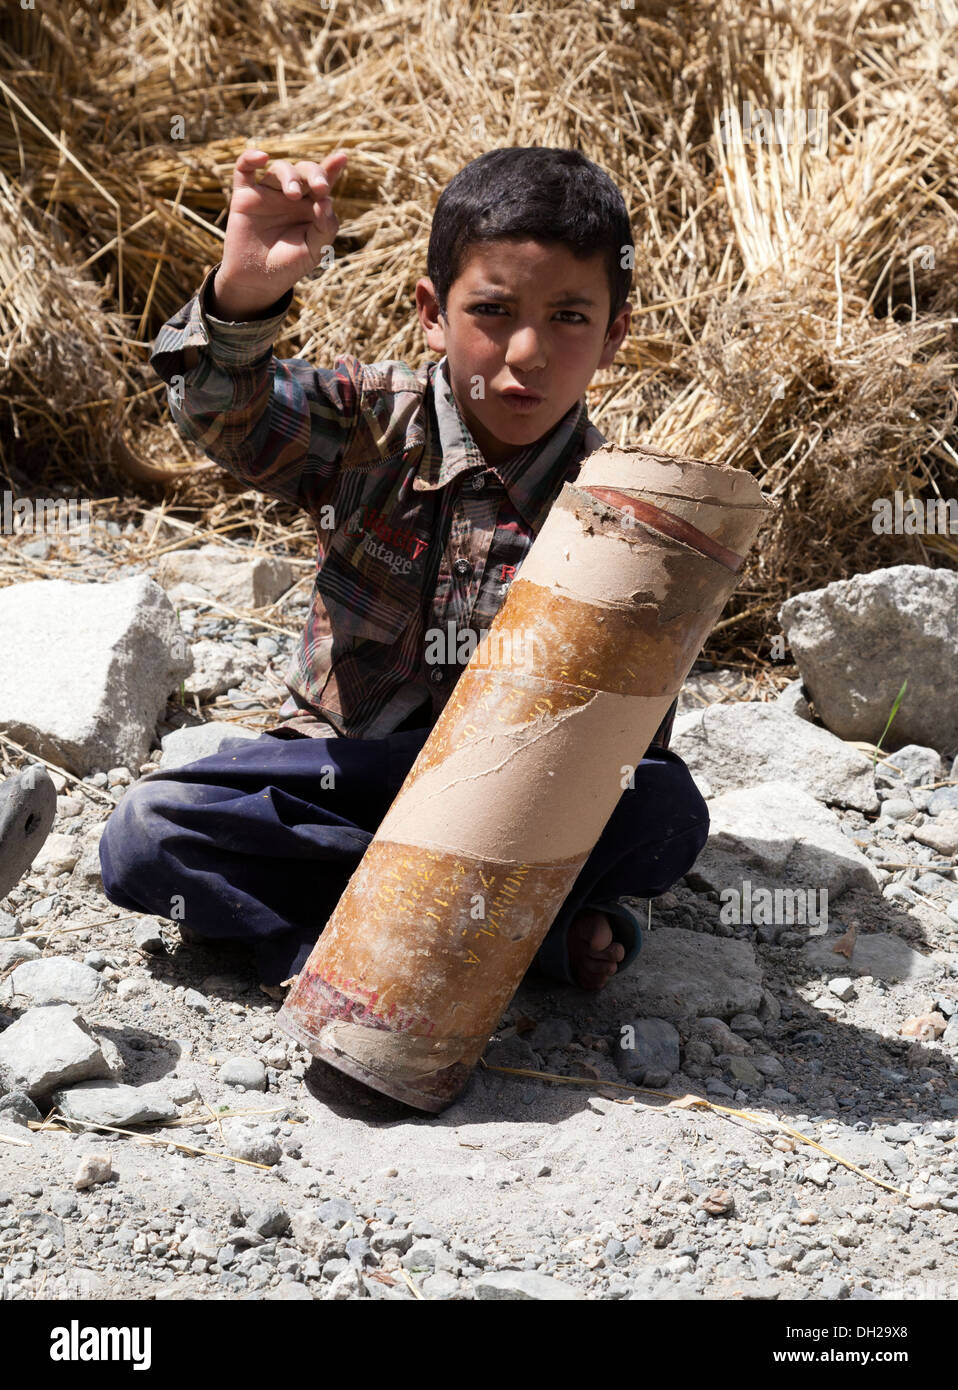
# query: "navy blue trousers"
{"type": "Point", "coordinates": [247, 844]}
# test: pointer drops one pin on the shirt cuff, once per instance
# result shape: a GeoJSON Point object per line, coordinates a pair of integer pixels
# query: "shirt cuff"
{"type": "Point", "coordinates": [235, 343]}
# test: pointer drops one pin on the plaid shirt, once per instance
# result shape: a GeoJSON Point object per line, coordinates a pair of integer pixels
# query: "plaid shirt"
{"type": "Point", "coordinates": [416, 530]}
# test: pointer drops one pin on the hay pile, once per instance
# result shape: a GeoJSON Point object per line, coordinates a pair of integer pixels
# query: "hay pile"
{"type": "Point", "coordinates": [795, 307]}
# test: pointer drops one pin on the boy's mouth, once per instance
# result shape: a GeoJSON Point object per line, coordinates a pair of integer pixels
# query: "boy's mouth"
{"type": "Point", "coordinates": [521, 400]}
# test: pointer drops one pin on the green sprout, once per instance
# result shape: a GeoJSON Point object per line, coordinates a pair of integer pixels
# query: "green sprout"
{"type": "Point", "coordinates": [894, 711]}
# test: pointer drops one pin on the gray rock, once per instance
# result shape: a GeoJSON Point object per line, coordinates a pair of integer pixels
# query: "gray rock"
{"type": "Point", "coordinates": [289, 1292]}
{"type": "Point", "coordinates": [253, 1142]}
{"type": "Point", "coordinates": [335, 1212]}
{"type": "Point", "coordinates": [745, 1071]}
{"type": "Point", "coordinates": [49, 1047]}
{"type": "Point", "coordinates": [747, 1026]}
{"type": "Point", "coordinates": [13, 952]}
{"type": "Point", "coordinates": [232, 578]}
{"type": "Point", "coordinates": [348, 1283]}
{"type": "Point", "coordinates": [739, 745]}
{"type": "Point", "coordinates": [791, 698]}
{"type": "Point", "coordinates": [644, 1046]}
{"type": "Point", "coordinates": [779, 840]}
{"type": "Point", "coordinates": [53, 980]}
{"type": "Point", "coordinates": [119, 649]}
{"type": "Point", "coordinates": [192, 999]}
{"type": "Point", "coordinates": [244, 1071]}
{"type": "Point", "coordinates": [944, 799]}
{"type": "Point", "coordinates": [146, 935]}
{"type": "Point", "coordinates": [855, 642]}
{"type": "Point", "coordinates": [685, 972]}
{"type": "Point", "coordinates": [911, 766]}
{"type": "Point", "coordinates": [113, 1103]}
{"type": "Point", "coordinates": [896, 808]}
{"type": "Point", "coordinates": [269, 1221]}
{"type": "Point", "coordinates": [719, 1036]}
{"type": "Point", "coordinates": [877, 953]}
{"type": "Point", "coordinates": [197, 741]}
{"type": "Point", "coordinates": [18, 1108]}
{"type": "Point", "coordinates": [767, 1064]}
{"type": "Point", "coordinates": [9, 926]}
{"type": "Point", "coordinates": [441, 1285]}
{"type": "Point", "coordinates": [523, 1284]}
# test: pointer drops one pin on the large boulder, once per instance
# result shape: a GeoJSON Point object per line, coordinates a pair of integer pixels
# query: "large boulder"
{"type": "Point", "coordinates": [857, 640]}
{"type": "Point", "coordinates": [86, 669]}
{"type": "Point", "coordinates": [737, 745]}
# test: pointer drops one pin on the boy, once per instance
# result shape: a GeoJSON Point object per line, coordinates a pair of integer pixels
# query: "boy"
{"type": "Point", "coordinates": [427, 488]}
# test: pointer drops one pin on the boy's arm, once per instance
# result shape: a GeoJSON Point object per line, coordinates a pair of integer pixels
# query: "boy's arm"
{"type": "Point", "coordinates": [277, 424]}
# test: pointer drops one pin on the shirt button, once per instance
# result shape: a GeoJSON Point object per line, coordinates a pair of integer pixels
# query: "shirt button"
{"type": "Point", "coordinates": [436, 675]}
{"type": "Point", "coordinates": [479, 482]}
{"type": "Point", "coordinates": [462, 568]}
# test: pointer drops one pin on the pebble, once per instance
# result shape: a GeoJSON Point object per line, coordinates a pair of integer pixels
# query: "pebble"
{"type": "Point", "coordinates": [842, 987]}
{"type": "Point", "coordinates": [196, 1001]}
{"type": "Point", "coordinates": [93, 1169]}
{"type": "Point", "coordinates": [247, 1072]}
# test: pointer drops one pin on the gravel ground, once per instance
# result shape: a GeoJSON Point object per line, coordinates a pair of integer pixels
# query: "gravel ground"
{"type": "Point", "coordinates": [522, 1188]}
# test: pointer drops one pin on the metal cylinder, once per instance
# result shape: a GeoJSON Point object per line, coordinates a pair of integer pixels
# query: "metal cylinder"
{"type": "Point", "coordinates": [522, 770]}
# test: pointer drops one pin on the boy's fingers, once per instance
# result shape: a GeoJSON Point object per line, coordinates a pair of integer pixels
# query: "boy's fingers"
{"type": "Point", "coordinates": [244, 169]}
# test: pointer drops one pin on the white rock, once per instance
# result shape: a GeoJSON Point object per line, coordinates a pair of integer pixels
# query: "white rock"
{"type": "Point", "coordinates": [113, 1103]}
{"type": "Point", "coordinates": [58, 855]}
{"type": "Point", "coordinates": [117, 648]}
{"type": "Point", "coordinates": [53, 980]}
{"type": "Point", "coordinates": [739, 745]}
{"type": "Point", "coordinates": [48, 1047]}
{"type": "Point", "coordinates": [229, 576]}
{"type": "Point", "coordinates": [842, 987]}
{"type": "Point", "coordinates": [856, 641]}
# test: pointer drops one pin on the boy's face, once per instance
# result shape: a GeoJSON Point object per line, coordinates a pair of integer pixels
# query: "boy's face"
{"type": "Point", "coordinates": [521, 314]}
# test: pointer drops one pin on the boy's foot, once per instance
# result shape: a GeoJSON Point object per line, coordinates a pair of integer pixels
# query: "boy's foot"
{"type": "Point", "coordinates": [593, 954]}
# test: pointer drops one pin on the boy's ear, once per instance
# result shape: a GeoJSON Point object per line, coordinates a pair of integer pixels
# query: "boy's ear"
{"type": "Point", "coordinates": [427, 307]}
{"type": "Point", "coordinates": [616, 335]}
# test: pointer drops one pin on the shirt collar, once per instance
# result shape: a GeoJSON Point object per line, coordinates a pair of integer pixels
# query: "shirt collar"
{"type": "Point", "coordinates": [532, 478]}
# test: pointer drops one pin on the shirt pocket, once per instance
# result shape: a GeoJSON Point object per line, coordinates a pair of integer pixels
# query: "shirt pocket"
{"type": "Point", "coordinates": [373, 588]}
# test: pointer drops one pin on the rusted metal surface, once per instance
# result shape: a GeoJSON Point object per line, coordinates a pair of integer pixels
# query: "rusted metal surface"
{"type": "Point", "coordinates": [504, 804]}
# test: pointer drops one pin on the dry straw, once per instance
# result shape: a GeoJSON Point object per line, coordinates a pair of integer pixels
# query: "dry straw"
{"type": "Point", "coordinates": [794, 309]}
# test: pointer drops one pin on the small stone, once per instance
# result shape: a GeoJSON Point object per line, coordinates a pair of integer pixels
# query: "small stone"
{"type": "Point", "coordinates": [897, 808]}
{"type": "Point", "coordinates": [130, 988]}
{"type": "Point", "coordinates": [94, 1168]}
{"type": "Point", "coordinates": [747, 1026]}
{"type": "Point", "coordinates": [147, 936]}
{"type": "Point", "coordinates": [441, 1285]}
{"type": "Point", "coordinates": [253, 1142]}
{"type": "Point", "coordinates": [718, 1202]}
{"type": "Point", "coordinates": [842, 987]}
{"type": "Point", "coordinates": [523, 1284]}
{"type": "Point", "coordinates": [743, 1070]}
{"type": "Point", "coordinates": [646, 1050]}
{"type": "Point", "coordinates": [335, 1212]}
{"type": "Point", "coordinates": [14, 952]}
{"type": "Point", "coordinates": [199, 1003]}
{"type": "Point", "coordinates": [18, 1108]}
{"type": "Point", "coordinates": [269, 1221]}
{"type": "Point", "coordinates": [248, 1072]}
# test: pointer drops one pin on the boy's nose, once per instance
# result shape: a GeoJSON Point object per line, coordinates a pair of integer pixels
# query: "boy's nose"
{"type": "Point", "coordinates": [526, 352]}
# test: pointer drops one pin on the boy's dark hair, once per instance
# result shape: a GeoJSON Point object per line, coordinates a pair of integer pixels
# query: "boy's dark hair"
{"type": "Point", "coordinates": [543, 193]}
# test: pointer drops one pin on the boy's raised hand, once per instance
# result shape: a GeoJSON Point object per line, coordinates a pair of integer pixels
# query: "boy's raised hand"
{"type": "Point", "coordinates": [279, 221]}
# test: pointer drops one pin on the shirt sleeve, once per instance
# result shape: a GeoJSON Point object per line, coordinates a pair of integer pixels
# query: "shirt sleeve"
{"type": "Point", "coordinates": [279, 425]}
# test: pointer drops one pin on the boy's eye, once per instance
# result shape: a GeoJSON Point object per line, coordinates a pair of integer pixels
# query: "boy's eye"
{"type": "Point", "coordinates": [489, 305]}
